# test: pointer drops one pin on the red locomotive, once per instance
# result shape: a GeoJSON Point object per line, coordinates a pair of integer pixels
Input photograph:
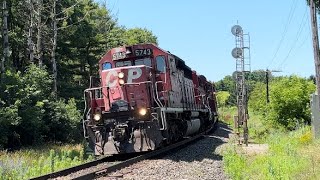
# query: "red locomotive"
{"type": "Point", "coordinates": [145, 98]}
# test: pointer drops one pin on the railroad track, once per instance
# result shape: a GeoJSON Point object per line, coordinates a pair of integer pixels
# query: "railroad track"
{"type": "Point", "coordinates": [103, 166]}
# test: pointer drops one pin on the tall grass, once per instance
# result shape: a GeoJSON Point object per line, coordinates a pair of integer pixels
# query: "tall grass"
{"type": "Point", "coordinates": [291, 156]}
{"type": "Point", "coordinates": [258, 130]}
{"type": "Point", "coordinates": [28, 163]}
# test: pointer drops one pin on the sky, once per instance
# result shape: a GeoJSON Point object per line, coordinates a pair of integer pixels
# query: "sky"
{"type": "Point", "coordinates": [199, 32]}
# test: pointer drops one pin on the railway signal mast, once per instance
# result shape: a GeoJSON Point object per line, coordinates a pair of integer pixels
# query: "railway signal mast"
{"type": "Point", "coordinates": [241, 53]}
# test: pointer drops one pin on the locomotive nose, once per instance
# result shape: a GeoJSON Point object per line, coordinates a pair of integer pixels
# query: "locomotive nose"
{"type": "Point", "coordinates": [119, 105]}
{"type": "Point", "coordinates": [126, 88]}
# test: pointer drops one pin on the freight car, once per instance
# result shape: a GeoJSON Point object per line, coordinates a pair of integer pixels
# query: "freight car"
{"type": "Point", "coordinates": [145, 98]}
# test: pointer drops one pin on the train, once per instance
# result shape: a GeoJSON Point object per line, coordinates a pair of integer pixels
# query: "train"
{"type": "Point", "coordinates": [145, 98]}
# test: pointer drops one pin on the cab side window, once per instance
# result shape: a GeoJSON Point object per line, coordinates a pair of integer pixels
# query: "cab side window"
{"type": "Point", "coordinates": [161, 64]}
{"type": "Point", "coordinates": [106, 66]}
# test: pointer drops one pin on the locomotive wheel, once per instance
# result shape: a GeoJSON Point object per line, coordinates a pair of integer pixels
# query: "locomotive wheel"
{"type": "Point", "coordinates": [170, 138]}
{"type": "Point", "coordinates": [172, 133]}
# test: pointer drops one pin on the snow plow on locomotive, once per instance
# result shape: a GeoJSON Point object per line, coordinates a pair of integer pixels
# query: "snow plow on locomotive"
{"type": "Point", "coordinates": [145, 98]}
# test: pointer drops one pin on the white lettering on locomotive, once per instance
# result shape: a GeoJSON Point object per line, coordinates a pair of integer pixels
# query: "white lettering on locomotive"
{"type": "Point", "coordinates": [108, 79]}
{"type": "Point", "coordinates": [134, 73]}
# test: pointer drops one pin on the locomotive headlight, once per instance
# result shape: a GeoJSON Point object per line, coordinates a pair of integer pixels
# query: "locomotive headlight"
{"type": "Point", "coordinates": [97, 117]}
{"type": "Point", "coordinates": [143, 111]}
{"type": "Point", "coordinates": [121, 81]}
{"type": "Point", "coordinates": [121, 75]}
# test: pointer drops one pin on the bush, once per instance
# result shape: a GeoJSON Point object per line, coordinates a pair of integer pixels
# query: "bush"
{"type": "Point", "coordinates": [222, 98]}
{"type": "Point", "coordinates": [289, 101]}
{"type": "Point", "coordinates": [30, 114]}
{"type": "Point", "coordinates": [62, 121]}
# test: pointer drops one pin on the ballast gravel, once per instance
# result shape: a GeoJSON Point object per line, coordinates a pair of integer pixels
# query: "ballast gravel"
{"type": "Point", "coordinates": [201, 160]}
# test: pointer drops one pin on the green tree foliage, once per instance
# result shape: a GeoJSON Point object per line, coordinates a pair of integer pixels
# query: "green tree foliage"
{"type": "Point", "coordinates": [228, 83]}
{"type": "Point", "coordinates": [83, 44]}
{"type": "Point", "coordinates": [257, 100]}
{"type": "Point", "coordinates": [222, 97]}
{"type": "Point", "coordinates": [29, 112]}
{"type": "Point", "coordinates": [289, 101]}
{"type": "Point", "coordinates": [139, 35]}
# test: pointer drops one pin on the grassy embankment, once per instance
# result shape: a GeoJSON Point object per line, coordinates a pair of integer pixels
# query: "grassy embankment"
{"type": "Point", "coordinates": [28, 163]}
{"type": "Point", "coordinates": [291, 155]}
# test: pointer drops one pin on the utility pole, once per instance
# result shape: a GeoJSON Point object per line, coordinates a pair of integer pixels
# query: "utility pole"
{"type": "Point", "coordinates": [315, 100]}
{"type": "Point", "coordinates": [267, 85]}
{"type": "Point", "coordinates": [315, 41]}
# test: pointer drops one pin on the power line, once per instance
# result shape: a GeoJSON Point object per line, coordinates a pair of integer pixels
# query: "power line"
{"type": "Point", "coordinates": [304, 40]}
{"type": "Point", "coordinates": [302, 25]}
{"type": "Point", "coordinates": [292, 10]}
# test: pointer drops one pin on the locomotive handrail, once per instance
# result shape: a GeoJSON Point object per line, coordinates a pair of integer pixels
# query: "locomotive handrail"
{"type": "Point", "coordinates": [86, 115]}
{"type": "Point", "coordinates": [207, 106]}
{"type": "Point", "coordinates": [157, 93]}
{"type": "Point", "coordinates": [210, 112]}
{"type": "Point", "coordinates": [91, 89]}
{"type": "Point", "coordinates": [96, 88]}
{"type": "Point", "coordinates": [137, 83]}
{"type": "Point", "coordinates": [163, 118]}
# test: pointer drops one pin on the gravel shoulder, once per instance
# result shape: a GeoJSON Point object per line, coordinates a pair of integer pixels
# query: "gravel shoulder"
{"type": "Point", "coordinates": [201, 160]}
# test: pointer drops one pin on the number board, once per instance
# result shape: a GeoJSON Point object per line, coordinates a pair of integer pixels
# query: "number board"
{"type": "Point", "coordinates": [143, 52]}
{"type": "Point", "coordinates": [118, 55]}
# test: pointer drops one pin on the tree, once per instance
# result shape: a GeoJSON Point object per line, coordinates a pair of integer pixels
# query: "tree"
{"type": "Point", "coordinates": [228, 84]}
{"type": "Point", "coordinates": [29, 113]}
{"type": "Point", "coordinates": [30, 5]}
{"type": "Point", "coordinates": [257, 99]}
{"type": "Point", "coordinates": [222, 97]}
{"type": "Point", "coordinates": [54, 46]}
{"type": "Point", "coordinates": [5, 35]}
{"type": "Point", "coordinates": [39, 50]}
{"type": "Point", "coordinates": [138, 36]}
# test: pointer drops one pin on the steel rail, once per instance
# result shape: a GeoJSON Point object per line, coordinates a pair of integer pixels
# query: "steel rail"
{"type": "Point", "coordinates": [73, 169]}
{"type": "Point", "coordinates": [106, 170]}
{"type": "Point", "coordinates": [127, 162]}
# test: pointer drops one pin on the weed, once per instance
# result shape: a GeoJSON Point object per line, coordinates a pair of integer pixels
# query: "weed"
{"type": "Point", "coordinates": [291, 155]}
{"type": "Point", "coordinates": [28, 163]}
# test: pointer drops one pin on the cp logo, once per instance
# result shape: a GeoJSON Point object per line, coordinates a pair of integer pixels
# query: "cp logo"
{"type": "Point", "coordinates": [112, 76]}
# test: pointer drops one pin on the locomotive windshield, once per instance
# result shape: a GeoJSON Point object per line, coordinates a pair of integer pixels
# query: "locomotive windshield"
{"type": "Point", "coordinates": [145, 61]}
{"type": "Point", "coordinates": [123, 63]}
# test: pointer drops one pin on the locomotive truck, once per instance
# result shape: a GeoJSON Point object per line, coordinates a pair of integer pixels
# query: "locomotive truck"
{"type": "Point", "coordinates": [145, 98]}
